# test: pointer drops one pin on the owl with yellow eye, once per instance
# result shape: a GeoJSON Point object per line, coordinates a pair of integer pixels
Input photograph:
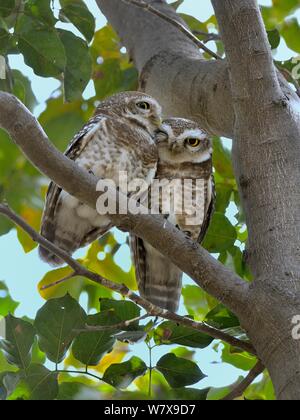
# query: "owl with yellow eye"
{"type": "Point", "coordinates": [185, 156]}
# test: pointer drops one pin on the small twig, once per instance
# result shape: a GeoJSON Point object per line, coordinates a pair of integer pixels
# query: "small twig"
{"type": "Point", "coordinates": [208, 36]}
{"type": "Point", "coordinates": [180, 26]}
{"type": "Point", "coordinates": [150, 370]}
{"type": "Point", "coordinates": [239, 390]}
{"type": "Point", "coordinates": [78, 372]}
{"type": "Point", "coordinates": [120, 326]}
{"type": "Point", "coordinates": [122, 289]}
{"type": "Point", "coordinates": [58, 282]}
{"type": "Point", "coordinates": [9, 76]}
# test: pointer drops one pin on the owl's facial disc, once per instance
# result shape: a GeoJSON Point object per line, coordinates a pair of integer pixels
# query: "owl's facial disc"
{"type": "Point", "coordinates": [146, 112]}
{"type": "Point", "coordinates": [184, 145]}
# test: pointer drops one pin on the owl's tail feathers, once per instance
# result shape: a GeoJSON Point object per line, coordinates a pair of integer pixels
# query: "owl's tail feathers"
{"type": "Point", "coordinates": [163, 299]}
{"type": "Point", "coordinates": [50, 258]}
{"type": "Point", "coordinates": [164, 289]}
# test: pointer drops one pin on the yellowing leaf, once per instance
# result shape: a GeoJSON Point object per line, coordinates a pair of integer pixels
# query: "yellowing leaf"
{"type": "Point", "coordinates": [72, 286]}
{"type": "Point", "coordinates": [33, 218]}
{"type": "Point", "coordinates": [116, 356]}
{"type": "Point", "coordinates": [107, 267]}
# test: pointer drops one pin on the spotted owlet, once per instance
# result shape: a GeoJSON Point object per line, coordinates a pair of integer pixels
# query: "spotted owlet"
{"type": "Point", "coordinates": [119, 138]}
{"type": "Point", "coordinates": [185, 159]}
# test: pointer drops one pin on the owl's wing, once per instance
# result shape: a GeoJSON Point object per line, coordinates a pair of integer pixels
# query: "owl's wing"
{"type": "Point", "coordinates": [75, 148]}
{"type": "Point", "coordinates": [210, 207]}
{"type": "Point", "coordinates": [138, 255]}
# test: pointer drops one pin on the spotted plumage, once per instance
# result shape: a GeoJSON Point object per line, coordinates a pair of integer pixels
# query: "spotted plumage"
{"type": "Point", "coordinates": [119, 137]}
{"type": "Point", "coordinates": [185, 153]}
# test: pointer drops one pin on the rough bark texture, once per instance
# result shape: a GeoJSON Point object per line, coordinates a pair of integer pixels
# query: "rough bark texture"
{"type": "Point", "coordinates": [242, 97]}
{"type": "Point", "coordinates": [266, 156]}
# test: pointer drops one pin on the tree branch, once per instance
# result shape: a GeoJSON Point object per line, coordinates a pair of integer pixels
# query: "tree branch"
{"type": "Point", "coordinates": [253, 74]}
{"type": "Point", "coordinates": [209, 273]}
{"type": "Point", "coordinates": [178, 25]}
{"type": "Point", "coordinates": [123, 290]}
{"type": "Point", "coordinates": [172, 69]}
{"type": "Point", "coordinates": [265, 120]}
{"type": "Point", "coordinates": [239, 390]}
{"type": "Point", "coordinates": [266, 152]}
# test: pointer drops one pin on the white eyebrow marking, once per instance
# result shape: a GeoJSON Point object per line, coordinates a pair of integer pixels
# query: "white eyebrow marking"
{"type": "Point", "coordinates": [199, 134]}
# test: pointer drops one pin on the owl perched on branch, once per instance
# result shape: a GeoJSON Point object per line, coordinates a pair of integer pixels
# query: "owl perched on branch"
{"type": "Point", "coordinates": [185, 156]}
{"type": "Point", "coordinates": [119, 138]}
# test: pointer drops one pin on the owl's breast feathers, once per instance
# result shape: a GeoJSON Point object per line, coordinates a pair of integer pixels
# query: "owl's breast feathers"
{"type": "Point", "coordinates": [203, 195]}
{"type": "Point", "coordinates": [105, 146]}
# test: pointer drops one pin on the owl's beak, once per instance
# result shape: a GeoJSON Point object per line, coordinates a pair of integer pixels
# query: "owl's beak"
{"type": "Point", "coordinates": [161, 136]}
{"type": "Point", "coordinates": [157, 122]}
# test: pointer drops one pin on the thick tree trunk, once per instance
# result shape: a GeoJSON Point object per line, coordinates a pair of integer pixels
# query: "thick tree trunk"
{"type": "Point", "coordinates": [242, 97]}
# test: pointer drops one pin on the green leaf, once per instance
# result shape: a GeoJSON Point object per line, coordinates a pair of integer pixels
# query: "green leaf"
{"type": "Point", "coordinates": [193, 23]}
{"type": "Point", "coordinates": [221, 234]}
{"type": "Point", "coordinates": [5, 224]}
{"type": "Point", "coordinates": [113, 73]}
{"type": "Point", "coordinates": [121, 310]}
{"type": "Point", "coordinates": [7, 304]}
{"type": "Point", "coordinates": [223, 193]}
{"type": "Point", "coordinates": [62, 121]}
{"type": "Point", "coordinates": [107, 267]}
{"type": "Point", "coordinates": [197, 302]}
{"type": "Point", "coordinates": [7, 7]}
{"type": "Point", "coordinates": [5, 37]}
{"type": "Point", "coordinates": [191, 394]}
{"type": "Point", "coordinates": [4, 365]}
{"type": "Point", "coordinates": [222, 160]}
{"type": "Point", "coordinates": [38, 384]}
{"type": "Point", "coordinates": [18, 341]}
{"type": "Point", "coordinates": [274, 38]}
{"type": "Point", "coordinates": [123, 374]}
{"type": "Point", "coordinates": [237, 358]}
{"type": "Point", "coordinates": [290, 31]}
{"type": "Point", "coordinates": [76, 12]}
{"type": "Point", "coordinates": [28, 98]}
{"type": "Point", "coordinates": [106, 44]}
{"type": "Point", "coordinates": [171, 333]}
{"type": "Point", "coordinates": [111, 78]}
{"type": "Point", "coordinates": [90, 347]}
{"type": "Point", "coordinates": [221, 318]}
{"type": "Point", "coordinates": [70, 391]}
{"type": "Point", "coordinates": [79, 65]}
{"type": "Point", "coordinates": [40, 10]}
{"type": "Point", "coordinates": [179, 372]}
{"type": "Point", "coordinates": [37, 356]}
{"type": "Point", "coordinates": [280, 9]}
{"type": "Point", "coordinates": [56, 324]}
{"type": "Point", "coordinates": [263, 390]}
{"type": "Point", "coordinates": [42, 49]}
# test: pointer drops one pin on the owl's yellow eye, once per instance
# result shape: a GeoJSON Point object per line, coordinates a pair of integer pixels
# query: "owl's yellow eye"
{"type": "Point", "coordinates": [145, 106]}
{"type": "Point", "coordinates": [193, 142]}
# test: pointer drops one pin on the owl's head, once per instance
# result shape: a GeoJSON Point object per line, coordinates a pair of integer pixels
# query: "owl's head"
{"type": "Point", "coordinates": [136, 107]}
{"type": "Point", "coordinates": [180, 140]}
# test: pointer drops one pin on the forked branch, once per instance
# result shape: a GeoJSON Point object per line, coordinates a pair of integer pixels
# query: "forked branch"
{"type": "Point", "coordinates": [151, 309]}
{"type": "Point", "coordinates": [206, 271]}
{"type": "Point", "coordinates": [178, 25]}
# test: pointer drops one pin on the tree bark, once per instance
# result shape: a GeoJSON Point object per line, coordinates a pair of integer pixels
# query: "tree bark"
{"type": "Point", "coordinates": [242, 97]}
